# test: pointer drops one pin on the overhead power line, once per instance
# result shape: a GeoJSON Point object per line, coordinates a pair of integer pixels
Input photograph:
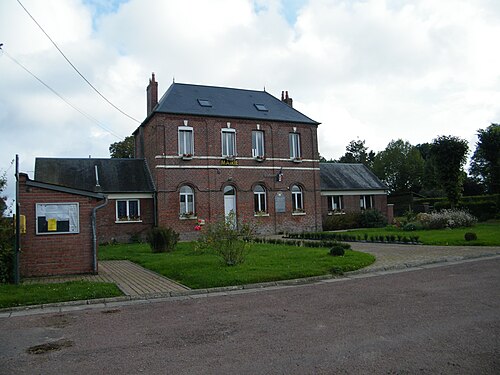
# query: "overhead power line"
{"type": "Point", "coordinates": [89, 117]}
{"type": "Point", "coordinates": [74, 67]}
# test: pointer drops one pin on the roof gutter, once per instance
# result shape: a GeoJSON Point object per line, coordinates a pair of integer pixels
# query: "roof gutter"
{"type": "Point", "coordinates": [94, 233]}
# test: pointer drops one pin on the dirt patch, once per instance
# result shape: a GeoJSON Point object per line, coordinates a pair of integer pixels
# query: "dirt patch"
{"type": "Point", "coordinates": [112, 311]}
{"type": "Point", "coordinates": [57, 321]}
{"type": "Point", "coordinates": [49, 347]}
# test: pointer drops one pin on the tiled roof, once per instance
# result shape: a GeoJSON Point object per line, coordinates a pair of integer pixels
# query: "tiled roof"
{"type": "Point", "coordinates": [227, 102]}
{"type": "Point", "coordinates": [114, 175]}
{"type": "Point", "coordinates": [343, 176]}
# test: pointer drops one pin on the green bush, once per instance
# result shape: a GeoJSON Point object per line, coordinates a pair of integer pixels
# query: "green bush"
{"type": "Point", "coordinates": [470, 236]}
{"type": "Point", "coordinates": [6, 251]}
{"type": "Point", "coordinates": [229, 239]}
{"type": "Point", "coordinates": [337, 251]}
{"type": "Point", "coordinates": [162, 240]}
{"type": "Point", "coordinates": [348, 220]}
{"type": "Point", "coordinates": [413, 226]}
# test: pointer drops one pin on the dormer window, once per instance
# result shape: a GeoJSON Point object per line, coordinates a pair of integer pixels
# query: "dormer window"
{"type": "Point", "coordinates": [204, 102]}
{"type": "Point", "coordinates": [261, 107]}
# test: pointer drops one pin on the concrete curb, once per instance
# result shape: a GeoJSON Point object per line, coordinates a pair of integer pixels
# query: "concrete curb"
{"type": "Point", "coordinates": [103, 303]}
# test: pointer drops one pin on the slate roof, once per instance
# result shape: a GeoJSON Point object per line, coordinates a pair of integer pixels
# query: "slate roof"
{"type": "Point", "coordinates": [183, 98]}
{"type": "Point", "coordinates": [115, 175]}
{"type": "Point", "coordinates": [343, 176]}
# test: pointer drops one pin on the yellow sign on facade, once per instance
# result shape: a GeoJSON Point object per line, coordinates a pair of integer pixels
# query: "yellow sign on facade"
{"type": "Point", "coordinates": [52, 225]}
{"type": "Point", "coordinates": [22, 224]}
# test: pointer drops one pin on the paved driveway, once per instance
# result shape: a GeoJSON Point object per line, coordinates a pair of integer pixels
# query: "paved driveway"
{"type": "Point", "coordinates": [393, 256]}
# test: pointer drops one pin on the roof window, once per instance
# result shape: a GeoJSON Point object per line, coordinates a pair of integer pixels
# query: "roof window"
{"type": "Point", "coordinates": [261, 107]}
{"type": "Point", "coordinates": [204, 102]}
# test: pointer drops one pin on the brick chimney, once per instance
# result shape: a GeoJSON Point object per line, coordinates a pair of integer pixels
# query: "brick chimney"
{"type": "Point", "coordinates": [152, 94]}
{"type": "Point", "coordinates": [286, 99]}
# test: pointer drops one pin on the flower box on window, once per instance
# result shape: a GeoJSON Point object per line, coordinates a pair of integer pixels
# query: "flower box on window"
{"type": "Point", "coordinates": [297, 160]}
{"type": "Point", "coordinates": [261, 213]}
{"type": "Point", "coordinates": [299, 211]}
{"type": "Point", "coordinates": [188, 215]}
{"type": "Point", "coordinates": [260, 158]}
{"type": "Point", "coordinates": [187, 156]}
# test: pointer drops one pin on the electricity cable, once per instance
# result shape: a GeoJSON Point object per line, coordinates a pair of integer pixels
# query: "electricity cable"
{"type": "Point", "coordinates": [74, 67]}
{"type": "Point", "coordinates": [89, 117]}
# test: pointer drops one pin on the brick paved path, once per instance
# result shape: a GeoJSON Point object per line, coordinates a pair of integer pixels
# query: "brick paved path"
{"type": "Point", "coordinates": [132, 279]}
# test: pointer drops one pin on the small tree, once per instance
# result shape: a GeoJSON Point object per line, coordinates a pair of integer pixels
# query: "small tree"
{"type": "Point", "coordinates": [357, 152]}
{"type": "Point", "coordinates": [450, 155]}
{"type": "Point", "coordinates": [162, 240]}
{"type": "Point", "coordinates": [227, 238]}
{"type": "Point", "coordinates": [6, 238]}
{"type": "Point", "coordinates": [123, 149]}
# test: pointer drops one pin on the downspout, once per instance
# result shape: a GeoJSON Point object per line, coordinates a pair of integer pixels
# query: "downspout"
{"type": "Point", "coordinates": [94, 233]}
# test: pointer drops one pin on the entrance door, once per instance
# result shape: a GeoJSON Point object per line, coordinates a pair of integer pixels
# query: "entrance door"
{"type": "Point", "coordinates": [230, 204]}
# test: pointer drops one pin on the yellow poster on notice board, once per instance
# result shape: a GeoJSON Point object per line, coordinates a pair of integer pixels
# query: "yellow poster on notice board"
{"type": "Point", "coordinates": [52, 225]}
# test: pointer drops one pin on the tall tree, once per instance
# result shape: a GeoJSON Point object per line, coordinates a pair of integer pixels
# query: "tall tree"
{"type": "Point", "coordinates": [123, 149]}
{"type": "Point", "coordinates": [485, 163]}
{"type": "Point", "coordinates": [450, 155]}
{"type": "Point", "coordinates": [357, 152]}
{"type": "Point", "coordinates": [430, 186]}
{"type": "Point", "coordinates": [400, 166]}
{"type": "Point", "coordinates": [3, 185]}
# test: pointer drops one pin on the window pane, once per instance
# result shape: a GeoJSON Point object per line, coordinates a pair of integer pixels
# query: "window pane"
{"type": "Point", "coordinates": [257, 143]}
{"type": "Point", "coordinates": [133, 209]}
{"type": "Point", "coordinates": [121, 209]}
{"type": "Point", "coordinates": [294, 139]}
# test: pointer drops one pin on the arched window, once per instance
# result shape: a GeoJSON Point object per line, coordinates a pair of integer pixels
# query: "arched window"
{"type": "Point", "coordinates": [297, 199]}
{"type": "Point", "coordinates": [259, 198]}
{"type": "Point", "coordinates": [186, 201]}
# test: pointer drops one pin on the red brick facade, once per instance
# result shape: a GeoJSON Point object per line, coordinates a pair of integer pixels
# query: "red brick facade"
{"type": "Point", "coordinates": [55, 254]}
{"type": "Point", "coordinates": [207, 172]}
{"type": "Point", "coordinates": [111, 230]}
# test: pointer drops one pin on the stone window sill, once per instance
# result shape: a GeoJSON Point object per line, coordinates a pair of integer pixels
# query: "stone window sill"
{"type": "Point", "coordinates": [127, 221]}
{"type": "Point", "coordinates": [298, 213]}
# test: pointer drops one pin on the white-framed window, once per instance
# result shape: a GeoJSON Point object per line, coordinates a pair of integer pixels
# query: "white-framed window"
{"type": "Point", "coordinates": [228, 142]}
{"type": "Point", "coordinates": [257, 144]}
{"type": "Point", "coordinates": [186, 141]}
{"type": "Point", "coordinates": [57, 218]}
{"type": "Point", "coordinates": [335, 203]}
{"type": "Point", "coordinates": [297, 199]}
{"type": "Point", "coordinates": [259, 199]}
{"type": "Point", "coordinates": [366, 202]}
{"type": "Point", "coordinates": [128, 210]}
{"type": "Point", "coordinates": [186, 196]}
{"type": "Point", "coordinates": [294, 139]}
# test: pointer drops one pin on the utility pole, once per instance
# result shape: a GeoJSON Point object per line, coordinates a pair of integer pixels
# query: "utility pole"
{"type": "Point", "coordinates": [18, 228]}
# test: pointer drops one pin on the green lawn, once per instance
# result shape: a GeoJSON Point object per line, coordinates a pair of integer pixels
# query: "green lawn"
{"type": "Point", "coordinates": [264, 262]}
{"type": "Point", "coordinates": [34, 294]}
{"type": "Point", "coordinates": [488, 234]}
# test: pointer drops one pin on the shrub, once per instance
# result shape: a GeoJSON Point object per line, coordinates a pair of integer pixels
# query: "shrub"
{"type": "Point", "coordinates": [337, 251]}
{"type": "Point", "coordinates": [162, 240]}
{"type": "Point", "coordinates": [470, 236]}
{"type": "Point", "coordinates": [348, 220]}
{"type": "Point", "coordinates": [413, 226]}
{"type": "Point", "coordinates": [229, 239]}
{"type": "Point", "coordinates": [449, 219]}
{"type": "Point", "coordinates": [6, 251]}
{"type": "Point", "coordinates": [372, 219]}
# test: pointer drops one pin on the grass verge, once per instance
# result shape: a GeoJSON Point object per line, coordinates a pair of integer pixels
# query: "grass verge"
{"type": "Point", "coordinates": [488, 234]}
{"type": "Point", "coordinates": [34, 294]}
{"type": "Point", "coordinates": [264, 262]}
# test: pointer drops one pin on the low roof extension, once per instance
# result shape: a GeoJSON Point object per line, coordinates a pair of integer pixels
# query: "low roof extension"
{"type": "Point", "coordinates": [96, 175]}
{"type": "Point", "coordinates": [343, 176]}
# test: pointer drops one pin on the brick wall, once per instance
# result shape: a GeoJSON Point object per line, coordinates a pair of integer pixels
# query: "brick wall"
{"type": "Point", "coordinates": [109, 230]}
{"type": "Point", "coordinates": [207, 173]}
{"type": "Point", "coordinates": [54, 254]}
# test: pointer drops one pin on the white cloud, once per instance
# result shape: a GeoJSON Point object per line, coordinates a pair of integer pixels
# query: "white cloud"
{"type": "Point", "coordinates": [374, 69]}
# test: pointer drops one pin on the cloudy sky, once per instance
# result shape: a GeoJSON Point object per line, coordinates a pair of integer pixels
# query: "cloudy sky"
{"type": "Point", "coordinates": [373, 70]}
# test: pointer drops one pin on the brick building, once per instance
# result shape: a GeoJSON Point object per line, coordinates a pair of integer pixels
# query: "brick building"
{"type": "Point", "coordinates": [213, 150]}
{"type": "Point", "coordinates": [201, 153]}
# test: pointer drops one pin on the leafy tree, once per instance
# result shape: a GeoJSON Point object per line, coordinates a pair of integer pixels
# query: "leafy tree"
{"type": "Point", "coordinates": [357, 152]}
{"type": "Point", "coordinates": [485, 163]}
{"type": "Point", "coordinates": [400, 166]}
{"type": "Point", "coordinates": [123, 149]}
{"type": "Point", "coordinates": [450, 155]}
{"type": "Point", "coordinates": [3, 185]}
{"type": "Point", "coordinates": [430, 185]}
